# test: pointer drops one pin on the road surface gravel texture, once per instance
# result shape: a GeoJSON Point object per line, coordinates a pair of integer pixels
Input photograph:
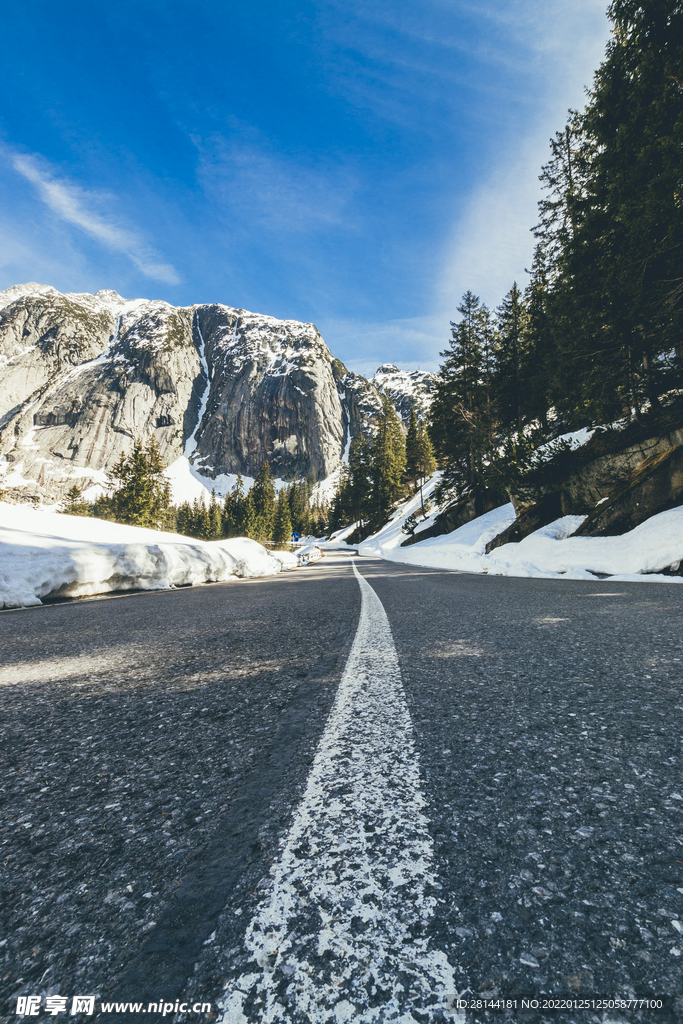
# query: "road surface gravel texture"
{"type": "Point", "coordinates": [157, 749]}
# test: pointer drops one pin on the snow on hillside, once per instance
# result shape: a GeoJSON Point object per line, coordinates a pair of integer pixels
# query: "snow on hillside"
{"type": "Point", "coordinates": [187, 484]}
{"type": "Point", "coordinates": [45, 554]}
{"type": "Point", "coordinates": [549, 552]}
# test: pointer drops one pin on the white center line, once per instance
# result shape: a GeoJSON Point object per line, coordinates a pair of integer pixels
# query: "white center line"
{"type": "Point", "coordinates": [342, 935]}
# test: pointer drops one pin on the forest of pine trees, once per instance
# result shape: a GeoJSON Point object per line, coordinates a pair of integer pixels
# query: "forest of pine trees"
{"type": "Point", "coordinates": [260, 513]}
{"type": "Point", "coordinates": [384, 467]}
{"type": "Point", "coordinates": [596, 335]}
{"type": "Point", "coordinates": [140, 495]}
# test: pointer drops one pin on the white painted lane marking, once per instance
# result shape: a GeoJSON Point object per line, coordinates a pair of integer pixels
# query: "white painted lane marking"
{"type": "Point", "coordinates": [343, 934]}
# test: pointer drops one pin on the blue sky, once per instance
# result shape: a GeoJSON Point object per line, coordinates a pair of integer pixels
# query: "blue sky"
{"type": "Point", "coordinates": [354, 164]}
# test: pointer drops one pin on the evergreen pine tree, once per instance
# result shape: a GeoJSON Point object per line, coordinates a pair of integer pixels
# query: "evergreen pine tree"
{"type": "Point", "coordinates": [203, 521]}
{"type": "Point", "coordinates": [511, 321]}
{"type": "Point", "coordinates": [340, 508]}
{"type": "Point", "coordinates": [232, 509]}
{"type": "Point", "coordinates": [463, 426]}
{"type": "Point", "coordinates": [142, 496]}
{"type": "Point", "coordinates": [263, 494]}
{"type": "Point", "coordinates": [300, 512]}
{"type": "Point", "coordinates": [425, 461]}
{"type": "Point", "coordinates": [215, 519]}
{"type": "Point", "coordinates": [540, 382]}
{"type": "Point", "coordinates": [388, 464]}
{"type": "Point", "coordinates": [355, 497]}
{"type": "Point", "coordinates": [247, 517]}
{"type": "Point", "coordinates": [412, 451]}
{"type": "Point", "coordinates": [73, 504]}
{"type": "Point", "coordinates": [184, 519]}
{"type": "Point", "coordinates": [282, 528]}
{"type": "Point", "coordinates": [228, 517]}
{"type": "Point", "coordinates": [319, 520]}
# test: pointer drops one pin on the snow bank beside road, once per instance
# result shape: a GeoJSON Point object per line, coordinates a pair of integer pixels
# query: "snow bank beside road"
{"type": "Point", "coordinates": [549, 552]}
{"type": "Point", "coordinates": [47, 554]}
{"type": "Point", "coordinates": [309, 553]}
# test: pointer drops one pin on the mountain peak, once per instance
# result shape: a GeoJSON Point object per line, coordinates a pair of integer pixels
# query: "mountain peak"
{"type": "Point", "coordinates": [17, 291]}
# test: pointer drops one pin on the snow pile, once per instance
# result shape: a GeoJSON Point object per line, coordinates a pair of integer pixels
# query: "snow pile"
{"type": "Point", "coordinates": [309, 553]}
{"type": "Point", "coordinates": [45, 554]}
{"type": "Point", "coordinates": [565, 442]}
{"type": "Point", "coordinates": [549, 552]}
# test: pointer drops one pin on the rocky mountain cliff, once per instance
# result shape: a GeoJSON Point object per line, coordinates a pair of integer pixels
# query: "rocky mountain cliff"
{"type": "Point", "coordinates": [82, 375]}
{"type": "Point", "coordinates": [407, 389]}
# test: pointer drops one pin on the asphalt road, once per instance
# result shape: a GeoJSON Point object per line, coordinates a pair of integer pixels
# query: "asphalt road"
{"type": "Point", "coordinates": [156, 747]}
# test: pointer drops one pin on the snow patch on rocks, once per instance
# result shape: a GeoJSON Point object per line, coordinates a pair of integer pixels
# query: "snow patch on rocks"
{"type": "Point", "coordinates": [551, 552]}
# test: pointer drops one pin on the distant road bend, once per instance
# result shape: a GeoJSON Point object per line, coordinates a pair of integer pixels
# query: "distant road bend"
{"type": "Point", "coordinates": [356, 792]}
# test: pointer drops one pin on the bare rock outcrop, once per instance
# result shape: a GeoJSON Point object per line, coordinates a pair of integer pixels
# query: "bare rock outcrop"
{"type": "Point", "coordinates": [361, 401]}
{"type": "Point", "coordinates": [140, 384]}
{"type": "Point", "coordinates": [655, 486]}
{"type": "Point", "coordinates": [615, 485]}
{"type": "Point", "coordinates": [271, 395]}
{"type": "Point", "coordinates": [43, 333]}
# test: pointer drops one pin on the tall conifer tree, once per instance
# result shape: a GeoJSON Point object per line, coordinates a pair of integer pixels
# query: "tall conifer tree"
{"type": "Point", "coordinates": [263, 494]}
{"type": "Point", "coordinates": [282, 527]}
{"type": "Point", "coordinates": [388, 464]}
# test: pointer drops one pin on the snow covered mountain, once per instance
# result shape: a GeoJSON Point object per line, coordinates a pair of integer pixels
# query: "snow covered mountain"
{"type": "Point", "coordinates": [221, 389]}
{"type": "Point", "coordinates": [407, 389]}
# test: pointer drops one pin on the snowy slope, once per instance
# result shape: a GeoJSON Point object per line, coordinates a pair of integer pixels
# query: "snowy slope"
{"type": "Point", "coordinates": [45, 554]}
{"type": "Point", "coordinates": [549, 552]}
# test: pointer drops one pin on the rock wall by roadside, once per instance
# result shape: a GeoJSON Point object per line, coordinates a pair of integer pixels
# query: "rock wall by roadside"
{"type": "Point", "coordinates": [616, 489]}
{"type": "Point", "coordinates": [655, 486]}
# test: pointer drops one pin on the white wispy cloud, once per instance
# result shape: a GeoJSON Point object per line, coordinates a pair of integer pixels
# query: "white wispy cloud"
{"type": "Point", "coordinates": [249, 181]}
{"type": "Point", "coordinates": [490, 241]}
{"type": "Point", "coordinates": [556, 47]}
{"type": "Point", "coordinates": [79, 207]}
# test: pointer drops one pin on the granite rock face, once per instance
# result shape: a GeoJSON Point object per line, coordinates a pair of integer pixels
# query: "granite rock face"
{"type": "Point", "coordinates": [360, 399]}
{"type": "Point", "coordinates": [82, 376]}
{"type": "Point", "coordinates": [43, 333]}
{"type": "Point", "coordinates": [656, 486]}
{"type": "Point", "coordinates": [271, 395]}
